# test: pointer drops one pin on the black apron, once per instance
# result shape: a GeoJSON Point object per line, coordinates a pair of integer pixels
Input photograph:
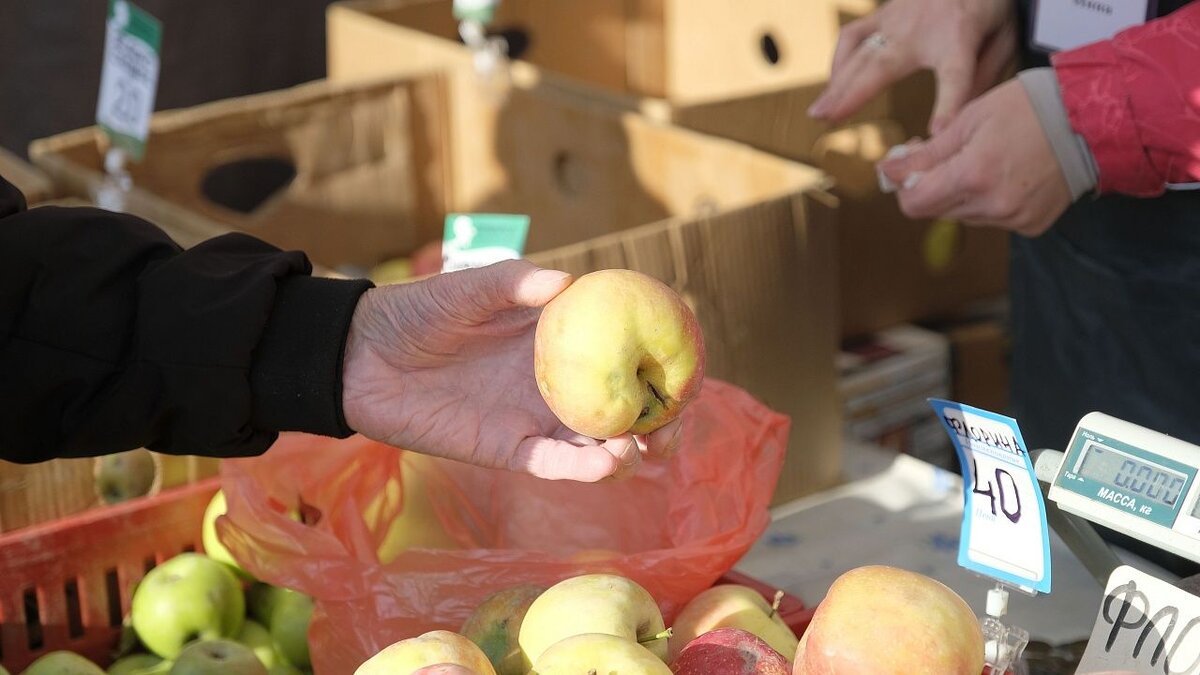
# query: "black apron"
{"type": "Point", "coordinates": [1106, 316]}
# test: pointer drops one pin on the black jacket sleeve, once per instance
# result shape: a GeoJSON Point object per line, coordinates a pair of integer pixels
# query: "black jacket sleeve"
{"type": "Point", "coordinates": [112, 337]}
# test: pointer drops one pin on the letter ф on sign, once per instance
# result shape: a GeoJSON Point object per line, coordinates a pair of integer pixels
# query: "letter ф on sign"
{"type": "Point", "coordinates": [1144, 625]}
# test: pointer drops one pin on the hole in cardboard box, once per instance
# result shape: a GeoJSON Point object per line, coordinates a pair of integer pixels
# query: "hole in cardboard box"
{"type": "Point", "coordinates": [33, 619]}
{"type": "Point", "coordinates": [770, 49]}
{"type": "Point", "coordinates": [568, 174]}
{"type": "Point", "coordinates": [112, 590]}
{"type": "Point", "coordinates": [74, 609]}
{"type": "Point", "coordinates": [244, 185]}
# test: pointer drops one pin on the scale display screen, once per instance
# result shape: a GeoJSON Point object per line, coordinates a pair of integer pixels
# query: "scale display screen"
{"type": "Point", "coordinates": [1133, 476]}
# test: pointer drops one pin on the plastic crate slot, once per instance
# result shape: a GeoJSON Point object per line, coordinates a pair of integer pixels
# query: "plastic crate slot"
{"type": "Point", "coordinates": [74, 609]}
{"type": "Point", "coordinates": [189, 548]}
{"type": "Point", "coordinates": [112, 589]}
{"type": "Point", "coordinates": [33, 619]}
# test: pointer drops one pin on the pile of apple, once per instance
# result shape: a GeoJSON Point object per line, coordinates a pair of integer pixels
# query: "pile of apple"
{"type": "Point", "coordinates": [202, 614]}
{"type": "Point", "coordinates": [875, 620]}
{"type": "Point", "coordinates": [601, 623]}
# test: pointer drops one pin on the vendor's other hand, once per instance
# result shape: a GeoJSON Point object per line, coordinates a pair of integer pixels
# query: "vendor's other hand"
{"type": "Point", "coordinates": [444, 367]}
{"type": "Point", "coordinates": [967, 43]}
{"type": "Point", "coordinates": [991, 166]}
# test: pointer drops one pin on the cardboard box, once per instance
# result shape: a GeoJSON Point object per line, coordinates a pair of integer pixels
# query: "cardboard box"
{"type": "Point", "coordinates": [745, 236]}
{"type": "Point", "coordinates": [35, 185]}
{"type": "Point", "coordinates": [892, 269]}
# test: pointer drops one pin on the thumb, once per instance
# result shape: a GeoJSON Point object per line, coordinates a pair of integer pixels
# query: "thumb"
{"type": "Point", "coordinates": [955, 77]}
{"type": "Point", "coordinates": [921, 157]}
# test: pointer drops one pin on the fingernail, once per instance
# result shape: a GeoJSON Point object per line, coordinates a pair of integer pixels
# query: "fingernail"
{"type": "Point", "coordinates": [630, 455]}
{"type": "Point", "coordinates": [545, 276]}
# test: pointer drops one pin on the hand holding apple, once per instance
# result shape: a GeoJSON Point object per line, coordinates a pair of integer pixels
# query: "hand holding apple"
{"type": "Point", "coordinates": [187, 597]}
{"type": "Point", "coordinates": [434, 648]}
{"type": "Point", "coordinates": [733, 606]}
{"type": "Point", "coordinates": [730, 651]}
{"type": "Point", "coordinates": [888, 621]}
{"type": "Point", "coordinates": [593, 603]}
{"type": "Point", "coordinates": [618, 352]}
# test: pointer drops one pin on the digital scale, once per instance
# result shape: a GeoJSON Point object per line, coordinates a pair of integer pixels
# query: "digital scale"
{"type": "Point", "coordinates": [1130, 479]}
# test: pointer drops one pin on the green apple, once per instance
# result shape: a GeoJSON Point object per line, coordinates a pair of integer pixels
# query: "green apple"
{"type": "Point", "coordinates": [290, 618]}
{"type": "Point", "coordinates": [284, 668]}
{"type": "Point", "coordinates": [255, 636]}
{"type": "Point", "coordinates": [213, 547]}
{"type": "Point", "coordinates": [139, 664]}
{"type": "Point", "coordinates": [188, 597]}
{"type": "Point", "coordinates": [496, 624]}
{"type": "Point", "coordinates": [260, 601]}
{"type": "Point", "coordinates": [439, 647]}
{"type": "Point", "coordinates": [593, 603]}
{"type": "Point", "coordinates": [63, 662]}
{"type": "Point", "coordinates": [598, 653]}
{"type": "Point", "coordinates": [217, 657]}
{"type": "Point", "coordinates": [618, 351]}
{"type": "Point", "coordinates": [125, 475]}
{"type": "Point", "coordinates": [732, 606]}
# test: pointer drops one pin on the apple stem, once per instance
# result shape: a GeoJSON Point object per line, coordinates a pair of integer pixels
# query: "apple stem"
{"type": "Point", "coordinates": [661, 636]}
{"type": "Point", "coordinates": [775, 604]}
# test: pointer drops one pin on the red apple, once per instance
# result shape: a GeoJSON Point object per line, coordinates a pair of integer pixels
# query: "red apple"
{"type": "Point", "coordinates": [730, 651]}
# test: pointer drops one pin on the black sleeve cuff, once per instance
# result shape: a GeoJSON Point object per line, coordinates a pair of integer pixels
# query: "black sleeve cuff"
{"type": "Point", "coordinates": [296, 378]}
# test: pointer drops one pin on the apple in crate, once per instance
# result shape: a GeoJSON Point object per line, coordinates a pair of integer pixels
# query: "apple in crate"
{"type": "Point", "coordinates": [290, 618]}
{"type": "Point", "coordinates": [217, 657]}
{"type": "Point", "coordinates": [889, 621]}
{"type": "Point", "coordinates": [255, 636]}
{"type": "Point", "coordinates": [618, 351]}
{"type": "Point", "coordinates": [140, 664]}
{"type": "Point", "coordinates": [495, 626]}
{"type": "Point", "coordinates": [732, 606]}
{"type": "Point", "coordinates": [187, 597]}
{"type": "Point", "coordinates": [598, 653]}
{"type": "Point", "coordinates": [435, 648]}
{"type": "Point", "coordinates": [730, 651]}
{"type": "Point", "coordinates": [593, 603]}
{"type": "Point", "coordinates": [444, 669]}
{"type": "Point", "coordinates": [63, 663]}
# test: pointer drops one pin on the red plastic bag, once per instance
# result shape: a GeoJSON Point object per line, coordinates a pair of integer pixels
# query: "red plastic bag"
{"type": "Point", "coordinates": [675, 528]}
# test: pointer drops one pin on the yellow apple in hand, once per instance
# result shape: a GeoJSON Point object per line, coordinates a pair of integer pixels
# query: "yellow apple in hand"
{"type": "Point", "coordinates": [495, 626]}
{"type": "Point", "coordinates": [888, 621]}
{"type": "Point", "coordinates": [732, 606]}
{"type": "Point", "coordinates": [435, 648]}
{"type": "Point", "coordinates": [593, 603]}
{"type": "Point", "coordinates": [618, 351]}
{"type": "Point", "coordinates": [598, 653]}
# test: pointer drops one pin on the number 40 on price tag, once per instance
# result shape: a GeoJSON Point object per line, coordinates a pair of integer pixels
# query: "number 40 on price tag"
{"type": "Point", "coordinates": [1004, 531]}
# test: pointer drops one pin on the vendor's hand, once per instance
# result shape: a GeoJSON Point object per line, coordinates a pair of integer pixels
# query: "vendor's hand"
{"type": "Point", "coordinates": [992, 165]}
{"type": "Point", "coordinates": [444, 367]}
{"type": "Point", "coordinates": [967, 43]}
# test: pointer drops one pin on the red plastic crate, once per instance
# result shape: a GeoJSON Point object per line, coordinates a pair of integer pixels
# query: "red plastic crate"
{"type": "Point", "coordinates": [67, 584]}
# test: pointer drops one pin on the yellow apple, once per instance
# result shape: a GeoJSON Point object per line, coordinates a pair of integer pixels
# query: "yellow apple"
{"type": "Point", "coordinates": [213, 547]}
{"type": "Point", "coordinates": [593, 603]}
{"type": "Point", "coordinates": [495, 626]}
{"type": "Point", "coordinates": [618, 351]}
{"type": "Point", "coordinates": [598, 653]}
{"type": "Point", "coordinates": [439, 647]}
{"type": "Point", "coordinates": [732, 606]}
{"type": "Point", "coordinates": [417, 525]}
{"type": "Point", "coordinates": [444, 669]}
{"type": "Point", "coordinates": [888, 621]}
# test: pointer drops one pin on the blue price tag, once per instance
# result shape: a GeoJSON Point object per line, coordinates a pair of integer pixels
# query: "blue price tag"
{"type": "Point", "coordinates": [1004, 530]}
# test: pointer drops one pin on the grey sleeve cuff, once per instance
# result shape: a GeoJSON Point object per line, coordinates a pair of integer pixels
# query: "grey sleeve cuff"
{"type": "Point", "coordinates": [1074, 157]}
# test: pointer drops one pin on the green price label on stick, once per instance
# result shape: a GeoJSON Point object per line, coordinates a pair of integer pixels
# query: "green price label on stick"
{"type": "Point", "coordinates": [479, 239]}
{"type": "Point", "coordinates": [129, 76]}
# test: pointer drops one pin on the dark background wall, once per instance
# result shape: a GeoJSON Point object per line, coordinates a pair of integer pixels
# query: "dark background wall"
{"type": "Point", "coordinates": [51, 50]}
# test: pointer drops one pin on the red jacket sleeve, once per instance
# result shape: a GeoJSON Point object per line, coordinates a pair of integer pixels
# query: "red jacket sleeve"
{"type": "Point", "coordinates": [1135, 99]}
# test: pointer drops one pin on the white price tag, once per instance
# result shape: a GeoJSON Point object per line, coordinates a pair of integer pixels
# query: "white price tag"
{"type": "Point", "coordinates": [1004, 530]}
{"type": "Point", "coordinates": [1144, 625]}
{"type": "Point", "coordinates": [129, 76]}
{"type": "Point", "coordinates": [1067, 24]}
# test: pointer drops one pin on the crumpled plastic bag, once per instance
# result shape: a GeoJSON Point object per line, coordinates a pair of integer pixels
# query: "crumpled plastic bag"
{"type": "Point", "coordinates": [675, 528]}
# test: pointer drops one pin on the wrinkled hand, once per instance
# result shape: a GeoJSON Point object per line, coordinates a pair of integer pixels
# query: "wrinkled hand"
{"type": "Point", "coordinates": [992, 166]}
{"type": "Point", "coordinates": [967, 43]}
{"type": "Point", "coordinates": [444, 367]}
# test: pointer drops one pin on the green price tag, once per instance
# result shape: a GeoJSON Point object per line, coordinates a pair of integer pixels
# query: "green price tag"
{"type": "Point", "coordinates": [480, 239]}
{"type": "Point", "coordinates": [482, 11]}
{"type": "Point", "coordinates": [129, 76]}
